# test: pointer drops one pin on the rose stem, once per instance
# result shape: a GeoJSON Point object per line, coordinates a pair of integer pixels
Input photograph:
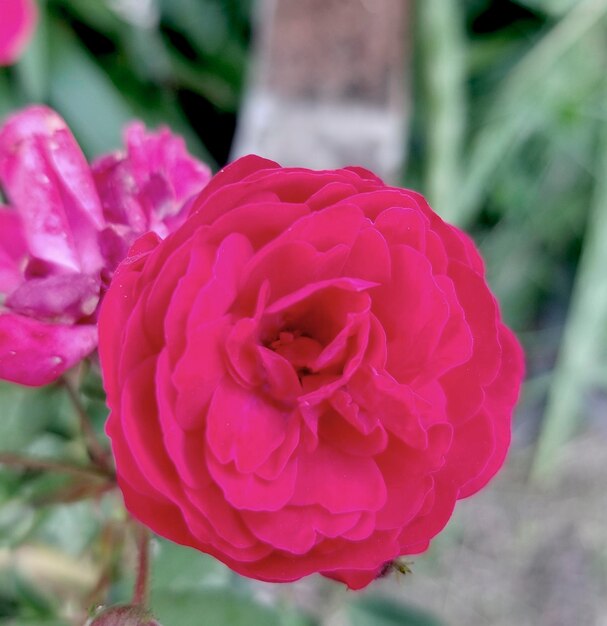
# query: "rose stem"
{"type": "Point", "coordinates": [140, 592]}
{"type": "Point", "coordinates": [94, 448]}
{"type": "Point", "coordinates": [23, 462]}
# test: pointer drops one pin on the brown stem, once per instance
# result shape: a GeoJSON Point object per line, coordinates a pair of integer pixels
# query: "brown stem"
{"type": "Point", "coordinates": [140, 593]}
{"type": "Point", "coordinates": [97, 453]}
{"type": "Point", "coordinates": [111, 540]}
{"type": "Point", "coordinates": [25, 462]}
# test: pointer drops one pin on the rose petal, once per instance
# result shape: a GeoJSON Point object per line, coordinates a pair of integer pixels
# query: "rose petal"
{"type": "Point", "coordinates": [16, 28]}
{"type": "Point", "coordinates": [339, 482]}
{"type": "Point", "coordinates": [36, 353]}
{"type": "Point", "coordinates": [66, 298]}
{"type": "Point", "coordinates": [47, 177]}
{"type": "Point", "coordinates": [13, 250]}
{"type": "Point", "coordinates": [242, 427]}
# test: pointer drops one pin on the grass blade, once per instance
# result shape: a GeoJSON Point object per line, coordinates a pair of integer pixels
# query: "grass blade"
{"type": "Point", "coordinates": [585, 329]}
{"type": "Point", "coordinates": [509, 122]}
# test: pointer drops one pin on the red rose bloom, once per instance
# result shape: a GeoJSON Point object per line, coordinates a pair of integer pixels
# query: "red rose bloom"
{"type": "Point", "coordinates": [306, 375]}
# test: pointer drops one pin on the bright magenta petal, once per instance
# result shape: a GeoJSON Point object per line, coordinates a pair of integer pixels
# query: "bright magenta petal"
{"type": "Point", "coordinates": [17, 22]}
{"type": "Point", "coordinates": [48, 180]}
{"type": "Point", "coordinates": [35, 353]}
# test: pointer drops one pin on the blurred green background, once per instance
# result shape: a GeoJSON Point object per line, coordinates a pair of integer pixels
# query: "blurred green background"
{"type": "Point", "coordinates": [508, 140]}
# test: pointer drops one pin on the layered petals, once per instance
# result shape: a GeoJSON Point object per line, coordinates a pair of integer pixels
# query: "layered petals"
{"type": "Point", "coordinates": [67, 227]}
{"type": "Point", "coordinates": [147, 187]}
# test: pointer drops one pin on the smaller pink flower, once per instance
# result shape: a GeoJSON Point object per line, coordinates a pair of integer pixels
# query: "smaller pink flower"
{"type": "Point", "coordinates": [145, 188]}
{"type": "Point", "coordinates": [68, 226]}
{"type": "Point", "coordinates": [17, 22]}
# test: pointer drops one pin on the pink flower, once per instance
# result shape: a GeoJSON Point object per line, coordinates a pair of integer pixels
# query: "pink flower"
{"type": "Point", "coordinates": [17, 23]}
{"type": "Point", "coordinates": [66, 229]}
{"type": "Point", "coordinates": [306, 375]}
{"type": "Point", "coordinates": [146, 188]}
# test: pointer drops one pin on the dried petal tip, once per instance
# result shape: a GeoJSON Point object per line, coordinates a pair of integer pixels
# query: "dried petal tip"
{"type": "Point", "coordinates": [125, 615]}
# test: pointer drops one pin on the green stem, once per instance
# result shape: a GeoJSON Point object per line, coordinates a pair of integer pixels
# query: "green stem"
{"type": "Point", "coordinates": [97, 453]}
{"type": "Point", "coordinates": [140, 593]}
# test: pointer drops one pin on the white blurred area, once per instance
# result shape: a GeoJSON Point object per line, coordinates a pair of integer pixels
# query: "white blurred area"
{"type": "Point", "coordinates": [140, 13]}
{"type": "Point", "coordinates": [328, 85]}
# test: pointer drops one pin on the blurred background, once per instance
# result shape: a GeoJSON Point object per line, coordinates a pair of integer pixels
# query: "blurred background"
{"type": "Point", "coordinates": [496, 110]}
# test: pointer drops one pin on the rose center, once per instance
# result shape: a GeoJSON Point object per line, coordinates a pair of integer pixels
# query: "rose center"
{"type": "Point", "coordinates": [297, 348]}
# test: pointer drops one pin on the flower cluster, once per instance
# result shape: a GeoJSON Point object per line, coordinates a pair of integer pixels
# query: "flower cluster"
{"type": "Point", "coordinates": [66, 228]}
{"type": "Point", "coordinates": [306, 375]}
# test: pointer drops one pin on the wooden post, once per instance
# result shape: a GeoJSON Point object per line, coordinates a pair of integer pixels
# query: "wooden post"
{"type": "Point", "coordinates": [328, 84]}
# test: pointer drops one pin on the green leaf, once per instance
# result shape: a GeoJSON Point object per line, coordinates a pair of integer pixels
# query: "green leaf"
{"type": "Point", "coordinates": [96, 15]}
{"type": "Point", "coordinates": [32, 68]}
{"type": "Point", "coordinates": [33, 600]}
{"type": "Point", "coordinates": [25, 413]}
{"type": "Point", "coordinates": [91, 104]}
{"type": "Point", "coordinates": [7, 100]}
{"type": "Point", "coordinates": [375, 611]}
{"type": "Point", "coordinates": [289, 616]}
{"type": "Point", "coordinates": [202, 21]}
{"type": "Point", "coordinates": [178, 568]}
{"type": "Point", "coordinates": [17, 519]}
{"type": "Point", "coordinates": [41, 487]}
{"type": "Point", "coordinates": [147, 54]}
{"type": "Point", "coordinates": [210, 608]}
{"type": "Point", "coordinates": [550, 7]}
{"type": "Point", "coordinates": [212, 83]}
{"type": "Point", "coordinates": [69, 527]}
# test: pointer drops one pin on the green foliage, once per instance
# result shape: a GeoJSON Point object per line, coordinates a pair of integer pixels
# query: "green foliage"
{"type": "Point", "coordinates": [180, 569]}
{"type": "Point", "coordinates": [26, 413]}
{"type": "Point", "coordinates": [190, 588]}
{"type": "Point", "coordinates": [582, 351]}
{"type": "Point", "coordinates": [377, 611]}
{"type": "Point", "coordinates": [97, 113]}
{"type": "Point", "coordinates": [525, 177]}
{"type": "Point", "coordinates": [209, 608]}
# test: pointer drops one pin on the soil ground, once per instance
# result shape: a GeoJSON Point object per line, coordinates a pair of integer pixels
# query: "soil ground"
{"type": "Point", "coordinates": [517, 554]}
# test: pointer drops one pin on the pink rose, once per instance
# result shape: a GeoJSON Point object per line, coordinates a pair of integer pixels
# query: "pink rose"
{"type": "Point", "coordinates": [306, 375]}
{"type": "Point", "coordinates": [17, 23]}
{"type": "Point", "coordinates": [146, 188]}
{"type": "Point", "coordinates": [66, 229]}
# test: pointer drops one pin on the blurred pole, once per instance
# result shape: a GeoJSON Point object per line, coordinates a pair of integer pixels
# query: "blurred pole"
{"type": "Point", "coordinates": [328, 85]}
{"type": "Point", "coordinates": [442, 43]}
